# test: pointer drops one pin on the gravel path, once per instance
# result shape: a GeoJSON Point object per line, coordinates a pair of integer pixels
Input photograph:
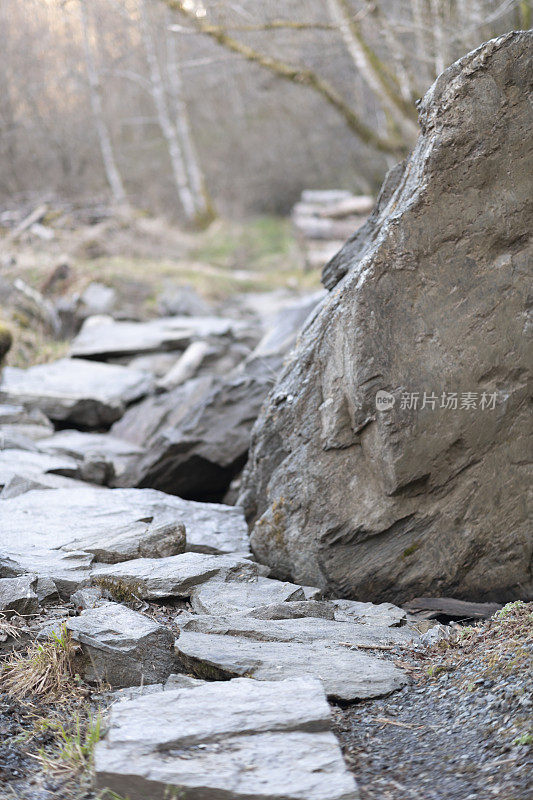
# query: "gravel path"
{"type": "Point", "coordinates": [463, 731]}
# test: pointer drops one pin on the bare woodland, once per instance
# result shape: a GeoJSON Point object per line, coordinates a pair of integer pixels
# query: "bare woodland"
{"type": "Point", "coordinates": [194, 108]}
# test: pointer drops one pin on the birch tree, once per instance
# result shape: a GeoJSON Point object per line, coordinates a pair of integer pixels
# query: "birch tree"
{"type": "Point", "coordinates": [95, 90]}
{"type": "Point", "coordinates": [195, 176]}
{"type": "Point", "coordinates": [157, 89]}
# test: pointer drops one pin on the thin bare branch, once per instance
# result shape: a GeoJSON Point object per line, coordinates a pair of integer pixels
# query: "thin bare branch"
{"type": "Point", "coordinates": [295, 74]}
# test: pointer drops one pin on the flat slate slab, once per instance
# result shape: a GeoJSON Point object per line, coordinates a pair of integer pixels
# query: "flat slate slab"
{"type": "Point", "coordinates": [31, 464]}
{"type": "Point", "coordinates": [175, 576]}
{"type": "Point", "coordinates": [224, 647]}
{"type": "Point", "coordinates": [59, 533]}
{"type": "Point", "coordinates": [103, 337]}
{"type": "Point", "coordinates": [85, 445]}
{"type": "Point", "coordinates": [16, 420]}
{"type": "Point", "coordinates": [122, 647]}
{"type": "Point", "coordinates": [236, 740]}
{"type": "Point", "coordinates": [82, 392]}
{"type": "Point", "coordinates": [44, 530]}
{"type": "Point", "coordinates": [228, 598]}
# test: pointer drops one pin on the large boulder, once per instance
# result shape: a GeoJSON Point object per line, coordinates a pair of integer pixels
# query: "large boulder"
{"type": "Point", "coordinates": [420, 490]}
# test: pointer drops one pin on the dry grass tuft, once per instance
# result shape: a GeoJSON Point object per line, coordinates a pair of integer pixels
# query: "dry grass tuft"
{"type": "Point", "coordinates": [7, 629]}
{"type": "Point", "coordinates": [45, 670]}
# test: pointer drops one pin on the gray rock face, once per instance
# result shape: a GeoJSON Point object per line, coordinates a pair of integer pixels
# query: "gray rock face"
{"type": "Point", "coordinates": [18, 595]}
{"type": "Point", "coordinates": [103, 337]}
{"type": "Point", "coordinates": [228, 598]}
{"type": "Point", "coordinates": [235, 740]}
{"type": "Point", "coordinates": [221, 647]}
{"type": "Point", "coordinates": [121, 646]}
{"type": "Point", "coordinates": [74, 390]}
{"type": "Point", "coordinates": [394, 501]}
{"type": "Point", "coordinates": [195, 437]}
{"type": "Point", "coordinates": [175, 576]}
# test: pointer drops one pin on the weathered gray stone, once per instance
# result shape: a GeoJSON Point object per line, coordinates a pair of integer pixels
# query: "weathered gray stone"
{"type": "Point", "coordinates": [113, 525]}
{"type": "Point", "coordinates": [175, 576]}
{"type": "Point", "coordinates": [122, 647]}
{"type": "Point", "coordinates": [46, 590]}
{"type": "Point", "coordinates": [182, 301]}
{"type": "Point", "coordinates": [84, 446]}
{"type": "Point", "coordinates": [235, 740]}
{"type": "Point", "coordinates": [18, 596]}
{"type": "Point", "coordinates": [295, 609]}
{"type": "Point", "coordinates": [59, 533]}
{"type": "Point", "coordinates": [87, 597]}
{"type": "Point", "coordinates": [195, 437]}
{"type": "Point", "coordinates": [103, 337]}
{"type": "Point", "coordinates": [385, 614]}
{"type": "Point", "coordinates": [31, 423]}
{"type": "Point", "coordinates": [387, 503]}
{"type": "Point", "coordinates": [203, 358]}
{"type": "Point", "coordinates": [179, 681]}
{"type": "Point", "coordinates": [26, 463]}
{"type": "Point", "coordinates": [228, 598]}
{"type": "Point", "coordinates": [27, 481]}
{"type": "Point", "coordinates": [75, 390]}
{"type": "Point", "coordinates": [221, 647]}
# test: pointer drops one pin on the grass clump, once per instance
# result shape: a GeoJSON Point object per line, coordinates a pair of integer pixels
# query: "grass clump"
{"type": "Point", "coordinates": [74, 744]}
{"type": "Point", "coordinates": [46, 670]}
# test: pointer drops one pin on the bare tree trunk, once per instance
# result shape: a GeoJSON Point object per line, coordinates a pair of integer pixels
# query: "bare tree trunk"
{"type": "Point", "coordinates": [366, 68]}
{"type": "Point", "coordinates": [202, 202]}
{"type": "Point", "coordinates": [421, 35]}
{"type": "Point", "coordinates": [104, 138]}
{"type": "Point", "coordinates": [167, 128]}
{"type": "Point", "coordinates": [406, 81]}
{"type": "Point", "coordinates": [439, 36]}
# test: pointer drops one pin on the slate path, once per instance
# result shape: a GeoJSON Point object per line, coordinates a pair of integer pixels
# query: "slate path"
{"type": "Point", "coordinates": [240, 739]}
{"type": "Point", "coordinates": [223, 672]}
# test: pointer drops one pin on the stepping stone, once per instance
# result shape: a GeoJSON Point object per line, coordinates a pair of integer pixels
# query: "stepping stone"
{"type": "Point", "coordinates": [122, 647]}
{"type": "Point", "coordinates": [19, 595]}
{"type": "Point", "coordinates": [236, 740]}
{"type": "Point", "coordinates": [59, 533]}
{"type": "Point", "coordinates": [225, 647]}
{"type": "Point", "coordinates": [228, 598]}
{"type": "Point", "coordinates": [103, 338]}
{"type": "Point", "coordinates": [81, 392]}
{"type": "Point", "coordinates": [175, 576]}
